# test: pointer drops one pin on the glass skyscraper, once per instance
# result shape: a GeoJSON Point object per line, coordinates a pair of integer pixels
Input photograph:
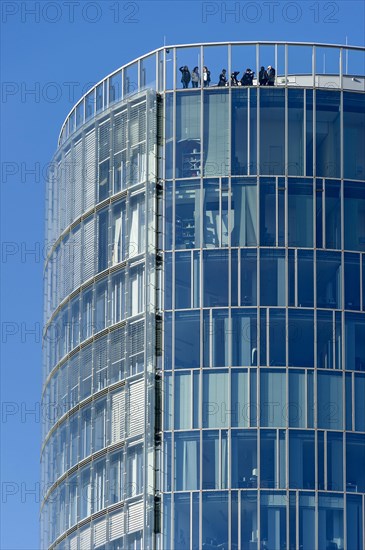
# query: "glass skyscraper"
{"type": "Point", "coordinates": [204, 340]}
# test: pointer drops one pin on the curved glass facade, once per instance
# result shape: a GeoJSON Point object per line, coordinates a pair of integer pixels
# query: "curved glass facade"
{"type": "Point", "coordinates": [204, 366]}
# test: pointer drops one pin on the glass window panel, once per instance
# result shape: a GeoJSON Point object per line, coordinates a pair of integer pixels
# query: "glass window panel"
{"type": "Point", "coordinates": [354, 341]}
{"type": "Point", "coordinates": [319, 212]}
{"type": "Point", "coordinates": [334, 462]}
{"type": "Point", "coordinates": [328, 279]}
{"type": "Point", "coordinates": [330, 402]}
{"type": "Point", "coordinates": [355, 455]}
{"type": "Point", "coordinates": [296, 131]}
{"type": "Point", "coordinates": [330, 521]}
{"type": "Point", "coordinates": [328, 133]}
{"type": "Point", "coordinates": [301, 459]}
{"type": "Point", "coordinates": [267, 212]}
{"type": "Point", "coordinates": [234, 277]}
{"type": "Point", "coordinates": [249, 526]}
{"type": "Point", "coordinates": [215, 288]}
{"type": "Point", "coordinates": [239, 135]}
{"type": "Point", "coordinates": [305, 278]}
{"type": "Point", "coordinates": [309, 133]}
{"type": "Point", "coordinates": [354, 522]}
{"type": "Point", "coordinates": [99, 425]}
{"type": "Point", "coordinates": [240, 399]}
{"type": "Point", "coordinates": [167, 294]}
{"type": "Point", "coordinates": [352, 281]}
{"type": "Point", "coordinates": [210, 460]}
{"type": "Point", "coordinates": [215, 399]}
{"type": "Point", "coordinates": [300, 213]}
{"type": "Point", "coordinates": [307, 506]}
{"type": "Point", "coordinates": [130, 79]}
{"type": "Point", "coordinates": [183, 401]}
{"type": "Point", "coordinates": [187, 338]}
{"type": "Point", "coordinates": [273, 405]}
{"type": "Point", "coordinates": [272, 277]}
{"type": "Point", "coordinates": [101, 308]}
{"type": "Point", "coordinates": [187, 59]}
{"type": "Point", "coordinates": [118, 298]}
{"type": "Point", "coordinates": [333, 214]}
{"type": "Point", "coordinates": [297, 399]}
{"type": "Point", "coordinates": [325, 340]}
{"type": "Point", "coordinates": [248, 277]}
{"type": "Point", "coordinates": [216, 59]}
{"type": "Point", "coordinates": [188, 163]}
{"type": "Point", "coordinates": [182, 521]}
{"type": "Point", "coordinates": [187, 228]}
{"type": "Point", "coordinates": [212, 214]}
{"type": "Point", "coordinates": [115, 87]}
{"type": "Point", "coordinates": [277, 335]}
{"type": "Point", "coordinates": [359, 402]}
{"type": "Point", "coordinates": [244, 337]}
{"type": "Point", "coordinates": [103, 240]}
{"type": "Point", "coordinates": [252, 165]}
{"type": "Point", "coordinates": [187, 452]}
{"type": "Point", "coordinates": [215, 519]}
{"type": "Point", "coordinates": [215, 133]}
{"type": "Point", "coordinates": [272, 459]}
{"type": "Point", "coordinates": [116, 477]}
{"type": "Point", "coordinates": [353, 133]}
{"type": "Point", "coordinates": [272, 126]}
{"type": "Point", "coordinates": [273, 520]}
{"type": "Point", "coordinates": [300, 338]}
{"type": "Point", "coordinates": [243, 213]}
{"type": "Point", "coordinates": [182, 280]}
{"type": "Point", "coordinates": [354, 215]}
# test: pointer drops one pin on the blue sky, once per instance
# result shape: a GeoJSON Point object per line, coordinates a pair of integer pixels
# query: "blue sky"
{"type": "Point", "coordinates": [51, 53]}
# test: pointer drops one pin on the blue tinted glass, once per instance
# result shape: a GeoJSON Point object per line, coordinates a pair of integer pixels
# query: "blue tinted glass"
{"type": "Point", "coordinates": [248, 277]}
{"type": "Point", "coordinates": [330, 521]}
{"type": "Point", "coordinates": [333, 214]}
{"type": "Point", "coordinates": [300, 213]}
{"type": "Point", "coordinates": [244, 459]}
{"type": "Point", "coordinates": [297, 404]}
{"type": "Point", "coordinates": [301, 338]}
{"type": "Point", "coordinates": [215, 288]}
{"type": "Point", "coordinates": [188, 134]}
{"type": "Point", "coordinates": [307, 504]}
{"type": "Point", "coordinates": [181, 521]}
{"type": "Point", "coordinates": [187, 452]}
{"type": "Point", "coordinates": [325, 340]}
{"type": "Point", "coordinates": [272, 277]}
{"type": "Point", "coordinates": [267, 212]}
{"type": "Point", "coordinates": [309, 132]}
{"type": "Point", "coordinates": [243, 212]}
{"type": "Point", "coordinates": [273, 534]}
{"type": "Point", "coordinates": [352, 281]}
{"type": "Point", "coordinates": [168, 281]}
{"type": "Point", "coordinates": [295, 132]}
{"type": "Point", "coordinates": [249, 531]}
{"type": "Point", "coordinates": [334, 462]}
{"type": "Point", "coordinates": [328, 133]}
{"type": "Point", "coordinates": [354, 341]}
{"type": "Point", "coordinates": [354, 215]}
{"type": "Point", "coordinates": [354, 522]}
{"type": "Point", "coordinates": [187, 212]}
{"type": "Point", "coordinates": [210, 460]}
{"type": "Point", "coordinates": [355, 459]}
{"type": "Point", "coordinates": [328, 279]}
{"type": "Point", "coordinates": [277, 337]}
{"type": "Point", "coordinates": [353, 135]}
{"type": "Point", "coordinates": [273, 398]}
{"type": "Point", "coordinates": [301, 459]}
{"type": "Point", "coordinates": [187, 338]}
{"type": "Point", "coordinates": [239, 135]}
{"type": "Point", "coordinates": [359, 402]}
{"type": "Point", "coordinates": [215, 133]}
{"type": "Point", "coordinates": [182, 280]}
{"type": "Point", "coordinates": [215, 520]}
{"type": "Point", "coordinates": [305, 278]}
{"type": "Point", "coordinates": [244, 337]}
{"type": "Point", "coordinates": [272, 127]}
{"type": "Point", "coordinates": [330, 402]}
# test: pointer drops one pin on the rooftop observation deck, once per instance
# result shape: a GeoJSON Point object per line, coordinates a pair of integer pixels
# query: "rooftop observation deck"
{"type": "Point", "coordinates": [297, 64]}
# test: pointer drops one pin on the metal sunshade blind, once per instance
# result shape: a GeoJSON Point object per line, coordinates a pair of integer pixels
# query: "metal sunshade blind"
{"type": "Point", "coordinates": [135, 517]}
{"type": "Point", "coordinates": [104, 147]}
{"type": "Point", "coordinates": [120, 131]}
{"type": "Point", "coordinates": [85, 539]}
{"type": "Point", "coordinates": [73, 542]}
{"type": "Point", "coordinates": [67, 177]}
{"type": "Point", "coordinates": [118, 417]}
{"type": "Point", "coordinates": [65, 262]}
{"type": "Point", "coordinates": [78, 190]}
{"type": "Point", "coordinates": [100, 537]}
{"type": "Point", "coordinates": [73, 375]}
{"type": "Point", "coordinates": [136, 337]}
{"type": "Point", "coordinates": [88, 256]}
{"type": "Point", "coordinates": [89, 173]}
{"type": "Point", "coordinates": [76, 251]}
{"type": "Point", "coordinates": [116, 525]}
{"type": "Point", "coordinates": [85, 371]}
{"type": "Point", "coordinates": [100, 363]}
{"type": "Point", "coordinates": [117, 349]}
{"type": "Point", "coordinates": [136, 408]}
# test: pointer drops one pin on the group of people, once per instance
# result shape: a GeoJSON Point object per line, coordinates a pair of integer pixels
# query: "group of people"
{"type": "Point", "coordinates": [266, 77]}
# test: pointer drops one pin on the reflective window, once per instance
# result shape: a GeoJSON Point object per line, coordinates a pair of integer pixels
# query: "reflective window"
{"type": "Point", "coordinates": [244, 459]}
{"type": "Point", "coordinates": [328, 279]}
{"type": "Point", "coordinates": [296, 132]}
{"type": "Point", "coordinates": [355, 341]}
{"type": "Point", "coordinates": [187, 337]}
{"type": "Point", "coordinates": [354, 215]}
{"type": "Point", "coordinates": [267, 212]}
{"type": "Point", "coordinates": [239, 133]}
{"type": "Point", "coordinates": [273, 531]}
{"type": "Point", "coordinates": [187, 446]}
{"type": "Point", "coordinates": [301, 459]}
{"type": "Point", "coordinates": [300, 213]}
{"type": "Point", "coordinates": [272, 277]}
{"type": "Point", "coordinates": [215, 133]}
{"type": "Point", "coordinates": [187, 224]}
{"type": "Point", "coordinates": [333, 214]}
{"type": "Point", "coordinates": [215, 288]}
{"type": "Point", "coordinates": [353, 139]}
{"type": "Point", "coordinates": [355, 455]}
{"type": "Point", "coordinates": [215, 399]}
{"type": "Point", "coordinates": [188, 162]}
{"type": "Point", "coordinates": [272, 124]}
{"type": "Point", "coordinates": [328, 133]}
{"type": "Point", "coordinates": [330, 402]}
{"type": "Point", "coordinates": [273, 398]}
{"type": "Point", "coordinates": [330, 521]}
{"type": "Point", "coordinates": [243, 212]}
{"type": "Point", "coordinates": [215, 519]}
